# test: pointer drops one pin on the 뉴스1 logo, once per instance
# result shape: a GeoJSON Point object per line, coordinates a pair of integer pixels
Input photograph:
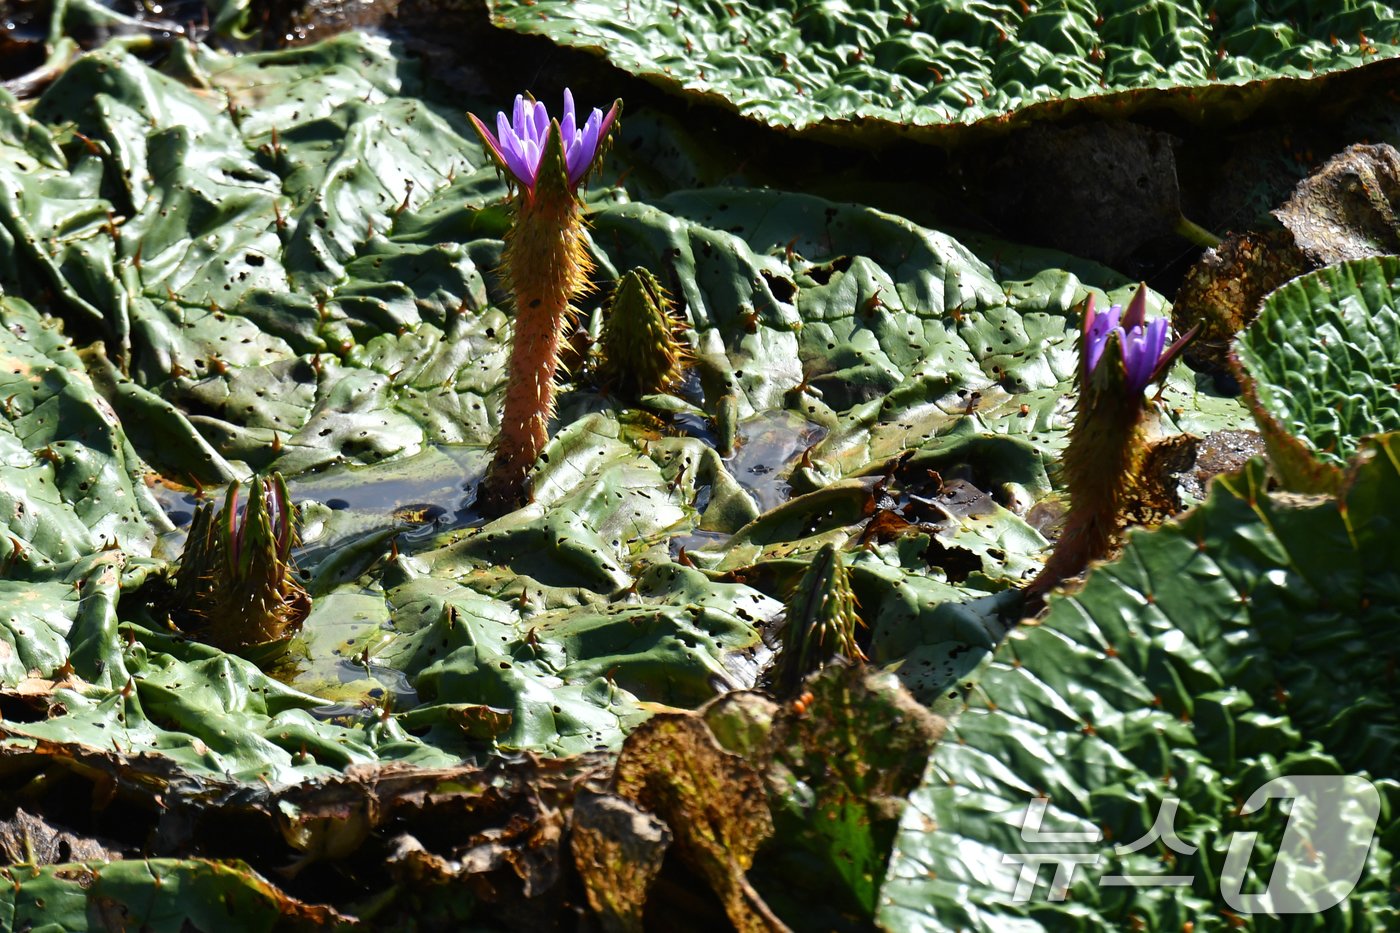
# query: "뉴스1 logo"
{"type": "Point", "coordinates": [1320, 857]}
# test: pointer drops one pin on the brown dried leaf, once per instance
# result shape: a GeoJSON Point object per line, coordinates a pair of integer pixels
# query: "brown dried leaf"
{"type": "Point", "coordinates": [1348, 208]}
{"type": "Point", "coordinates": [618, 850]}
{"type": "Point", "coordinates": [857, 744]}
{"type": "Point", "coordinates": [1222, 291]}
{"type": "Point", "coordinates": [26, 839]}
{"type": "Point", "coordinates": [1185, 463]}
{"type": "Point", "coordinates": [714, 803]}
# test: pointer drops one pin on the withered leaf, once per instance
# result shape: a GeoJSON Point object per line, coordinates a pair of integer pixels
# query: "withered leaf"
{"type": "Point", "coordinates": [842, 764]}
{"type": "Point", "coordinates": [618, 850]}
{"type": "Point", "coordinates": [1348, 208]}
{"type": "Point", "coordinates": [714, 803]}
{"type": "Point", "coordinates": [26, 839]}
{"type": "Point", "coordinates": [1222, 291]}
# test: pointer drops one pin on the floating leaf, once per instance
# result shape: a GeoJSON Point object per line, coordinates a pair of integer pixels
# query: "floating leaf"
{"type": "Point", "coordinates": [192, 893]}
{"type": "Point", "coordinates": [838, 67]}
{"type": "Point", "coordinates": [1321, 369]}
{"type": "Point", "coordinates": [1186, 670]}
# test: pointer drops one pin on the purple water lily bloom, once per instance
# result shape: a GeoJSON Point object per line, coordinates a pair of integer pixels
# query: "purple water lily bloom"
{"type": "Point", "coordinates": [1142, 343]}
{"type": "Point", "coordinates": [518, 143]}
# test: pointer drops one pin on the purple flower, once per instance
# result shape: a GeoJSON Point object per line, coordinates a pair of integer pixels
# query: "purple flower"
{"type": "Point", "coordinates": [1097, 327]}
{"type": "Point", "coordinates": [1141, 343]}
{"type": "Point", "coordinates": [519, 142]}
{"type": "Point", "coordinates": [1142, 349]}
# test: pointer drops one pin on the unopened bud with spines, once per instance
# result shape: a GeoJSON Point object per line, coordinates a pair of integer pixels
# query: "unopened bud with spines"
{"type": "Point", "coordinates": [821, 622]}
{"type": "Point", "coordinates": [643, 352]}
{"type": "Point", "coordinates": [236, 587]}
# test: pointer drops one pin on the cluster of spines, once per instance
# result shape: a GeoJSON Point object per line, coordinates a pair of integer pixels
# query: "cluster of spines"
{"type": "Point", "coordinates": [236, 586]}
{"type": "Point", "coordinates": [822, 621]}
{"type": "Point", "coordinates": [643, 351]}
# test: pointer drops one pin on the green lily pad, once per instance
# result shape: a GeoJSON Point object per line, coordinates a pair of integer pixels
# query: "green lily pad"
{"type": "Point", "coordinates": [847, 66]}
{"type": "Point", "coordinates": [1321, 367]}
{"type": "Point", "coordinates": [157, 894]}
{"type": "Point", "coordinates": [70, 482]}
{"type": "Point", "coordinates": [1251, 640]}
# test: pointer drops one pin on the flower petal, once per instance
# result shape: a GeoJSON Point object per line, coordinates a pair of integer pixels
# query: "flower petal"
{"type": "Point", "coordinates": [581, 157]}
{"type": "Point", "coordinates": [1096, 334]}
{"type": "Point", "coordinates": [1167, 356]}
{"type": "Point", "coordinates": [1137, 308]}
{"type": "Point", "coordinates": [530, 161]}
{"type": "Point", "coordinates": [540, 124]}
{"type": "Point", "coordinates": [1152, 343]}
{"type": "Point", "coordinates": [1141, 347]}
{"type": "Point", "coordinates": [492, 144]}
{"type": "Point", "coordinates": [608, 120]}
{"type": "Point", "coordinates": [569, 136]}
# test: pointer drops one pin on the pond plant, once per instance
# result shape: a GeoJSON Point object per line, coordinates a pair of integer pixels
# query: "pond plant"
{"type": "Point", "coordinates": [764, 528]}
{"type": "Point", "coordinates": [545, 266]}
{"type": "Point", "coordinates": [642, 350]}
{"type": "Point", "coordinates": [822, 624]}
{"type": "Point", "coordinates": [236, 586]}
{"type": "Point", "coordinates": [1120, 355]}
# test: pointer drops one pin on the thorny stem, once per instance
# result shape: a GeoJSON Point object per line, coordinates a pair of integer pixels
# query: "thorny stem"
{"type": "Point", "coordinates": [1120, 355]}
{"type": "Point", "coordinates": [1102, 465]}
{"type": "Point", "coordinates": [546, 264]}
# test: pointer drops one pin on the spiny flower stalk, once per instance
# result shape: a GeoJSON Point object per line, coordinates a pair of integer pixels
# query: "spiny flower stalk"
{"type": "Point", "coordinates": [642, 350]}
{"type": "Point", "coordinates": [821, 622]}
{"type": "Point", "coordinates": [1121, 354]}
{"type": "Point", "coordinates": [236, 587]}
{"type": "Point", "coordinates": [545, 265]}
